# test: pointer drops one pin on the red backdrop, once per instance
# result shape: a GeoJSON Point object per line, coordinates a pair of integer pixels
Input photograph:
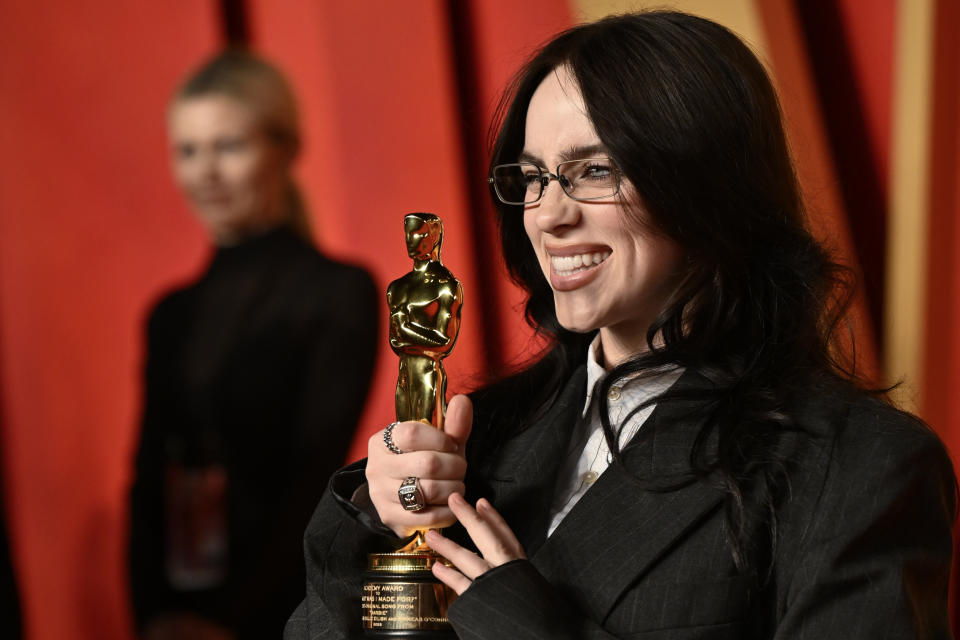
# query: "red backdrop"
{"type": "Point", "coordinates": [396, 98]}
{"type": "Point", "coordinates": [90, 230]}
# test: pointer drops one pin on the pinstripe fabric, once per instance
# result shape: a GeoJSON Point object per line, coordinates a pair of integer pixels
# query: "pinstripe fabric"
{"type": "Point", "coordinates": [863, 552]}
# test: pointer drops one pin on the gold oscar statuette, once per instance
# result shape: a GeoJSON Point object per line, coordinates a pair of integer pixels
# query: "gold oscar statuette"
{"type": "Point", "coordinates": [401, 598]}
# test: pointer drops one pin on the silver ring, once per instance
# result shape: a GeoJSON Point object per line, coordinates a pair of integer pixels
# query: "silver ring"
{"type": "Point", "coordinates": [411, 497]}
{"type": "Point", "coordinates": [388, 438]}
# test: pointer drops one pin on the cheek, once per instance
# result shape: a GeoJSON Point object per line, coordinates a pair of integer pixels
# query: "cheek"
{"type": "Point", "coordinates": [668, 257]}
{"type": "Point", "coordinates": [533, 235]}
{"type": "Point", "coordinates": [243, 171]}
{"type": "Point", "coordinates": [659, 263]}
{"type": "Point", "coordinates": [528, 225]}
{"type": "Point", "coordinates": [184, 174]}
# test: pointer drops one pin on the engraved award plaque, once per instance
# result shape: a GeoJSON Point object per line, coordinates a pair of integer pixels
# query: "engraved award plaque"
{"type": "Point", "coordinates": [401, 598]}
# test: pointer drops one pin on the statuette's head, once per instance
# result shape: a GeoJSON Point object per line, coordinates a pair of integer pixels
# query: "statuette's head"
{"type": "Point", "coordinates": [424, 233]}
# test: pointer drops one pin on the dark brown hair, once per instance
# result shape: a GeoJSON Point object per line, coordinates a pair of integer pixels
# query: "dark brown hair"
{"type": "Point", "coordinates": [692, 121]}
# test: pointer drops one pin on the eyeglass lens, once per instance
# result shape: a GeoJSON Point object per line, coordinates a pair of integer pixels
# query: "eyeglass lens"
{"type": "Point", "coordinates": [587, 179]}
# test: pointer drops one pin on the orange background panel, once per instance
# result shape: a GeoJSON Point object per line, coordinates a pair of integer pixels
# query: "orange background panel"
{"type": "Point", "coordinates": [90, 227]}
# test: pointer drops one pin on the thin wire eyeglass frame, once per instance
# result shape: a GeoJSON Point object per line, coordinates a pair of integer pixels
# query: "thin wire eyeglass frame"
{"type": "Point", "coordinates": [545, 177]}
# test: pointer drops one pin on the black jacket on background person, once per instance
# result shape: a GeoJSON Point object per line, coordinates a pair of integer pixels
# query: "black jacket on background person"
{"type": "Point", "coordinates": [10, 623]}
{"type": "Point", "coordinates": [863, 539]}
{"type": "Point", "coordinates": [262, 367]}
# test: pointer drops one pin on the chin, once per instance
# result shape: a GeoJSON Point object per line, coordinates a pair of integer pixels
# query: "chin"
{"type": "Point", "coordinates": [577, 325]}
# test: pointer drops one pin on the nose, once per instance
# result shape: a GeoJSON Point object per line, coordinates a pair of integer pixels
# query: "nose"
{"type": "Point", "coordinates": [207, 165]}
{"type": "Point", "coordinates": [555, 210]}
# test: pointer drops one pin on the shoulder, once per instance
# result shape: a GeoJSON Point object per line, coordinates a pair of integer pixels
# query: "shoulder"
{"type": "Point", "coordinates": [857, 426]}
{"type": "Point", "coordinates": [513, 395]}
{"type": "Point", "coordinates": [342, 282]}
{"type": "Point", "coordinates": [439, 271]}
{"type": "Point", "coordinates": [556, 376]}
{"type": "Point", "coordinates": [875, 422]}
{"type": "Point", "coordinates": [354, 280]}
{"type": "Point", "coordinates": [861, 456]}
{"type": "Point", "coordinates": [868, 514]}
{"type": "Point", "coordinates": [512, 405]}
{"type": "Point", "coordinates": [172, 309]}
{"type": "Point", "coordinates": [411, 277]}
{"type": "Point", "coordinates": [308, 258]}
{"type": "Point", "coordinates": [880, 448]}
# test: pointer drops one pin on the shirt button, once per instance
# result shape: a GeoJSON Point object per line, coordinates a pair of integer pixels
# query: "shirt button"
{"type": "Point", "coordinates": [614, 394]}
{"type": "Point", "coordinates": [589, 477]}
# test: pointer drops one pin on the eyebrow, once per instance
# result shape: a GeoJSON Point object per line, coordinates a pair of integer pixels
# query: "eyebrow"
{"type": "Point", "coordinates": [570, 153]}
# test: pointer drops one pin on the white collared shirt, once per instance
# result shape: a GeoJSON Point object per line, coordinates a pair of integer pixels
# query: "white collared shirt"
{"type": "Point", "coordinates": [588, 455]}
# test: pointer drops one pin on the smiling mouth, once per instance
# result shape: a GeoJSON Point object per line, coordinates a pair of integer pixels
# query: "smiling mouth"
{"type": "Point", "coordinates": [568, 265]}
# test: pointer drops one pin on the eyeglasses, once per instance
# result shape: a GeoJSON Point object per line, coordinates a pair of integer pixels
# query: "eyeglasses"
{"type": "Point", "coordinates": [584, 180]}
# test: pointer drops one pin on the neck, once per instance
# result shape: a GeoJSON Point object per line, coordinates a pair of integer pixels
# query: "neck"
{"type": "Point", "coordinates": [235, 237]}
{"type": "Point", "coordinates": [618, 346]}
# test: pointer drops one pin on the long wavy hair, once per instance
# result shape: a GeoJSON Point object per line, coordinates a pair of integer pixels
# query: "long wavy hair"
{"type": "Point", "coordinates": [692, 121]}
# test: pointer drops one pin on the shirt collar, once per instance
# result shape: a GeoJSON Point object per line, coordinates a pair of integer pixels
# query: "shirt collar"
{"type": "Point", "coordinates": [595, 371]}
{"type": "Point", "coordinates": [651, 385]}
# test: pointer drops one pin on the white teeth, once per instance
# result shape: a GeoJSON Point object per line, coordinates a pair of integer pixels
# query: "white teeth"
{"type": "Point", "coordinates": [567, 265]}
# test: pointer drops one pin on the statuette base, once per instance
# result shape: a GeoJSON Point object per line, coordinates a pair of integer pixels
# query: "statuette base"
{"type": "Point", "coordinates": [402, 599]}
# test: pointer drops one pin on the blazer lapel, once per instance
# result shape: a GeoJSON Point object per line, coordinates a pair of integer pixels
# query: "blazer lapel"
{"type": "Point", "coordinates": [621, 527]}
{"type": "Point", "coordinates": [524, 478]}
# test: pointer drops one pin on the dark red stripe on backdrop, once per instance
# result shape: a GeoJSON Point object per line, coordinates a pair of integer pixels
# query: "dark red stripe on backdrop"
{"type": "Point", "coordinates": [235, 23]}
{"type": "Point", "coordinates": [861, 183]}
{"type": "Point", "coordinates": [942, 349]}
{"type": "Point", "coordinates": [474, 124]}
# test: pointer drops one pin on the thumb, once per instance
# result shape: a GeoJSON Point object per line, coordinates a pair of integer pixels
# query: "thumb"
{"type": "Point", "coordinates": [459, 420]}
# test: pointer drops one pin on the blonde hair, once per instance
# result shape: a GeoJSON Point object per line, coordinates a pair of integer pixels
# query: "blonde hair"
{"type": "Point", "coordinates": [263, 88]}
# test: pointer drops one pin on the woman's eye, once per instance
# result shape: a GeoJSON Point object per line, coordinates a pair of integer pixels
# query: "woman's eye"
{"type": "Point", "coordinates": [531, 177]}
{"type": "Point", "coordinates": [597, 171]}
{"type": "Point", "coordinates": [185, 151]}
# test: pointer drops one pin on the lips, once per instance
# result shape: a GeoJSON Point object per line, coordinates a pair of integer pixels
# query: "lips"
{"type": "Point", "coordinates": [573, 268]}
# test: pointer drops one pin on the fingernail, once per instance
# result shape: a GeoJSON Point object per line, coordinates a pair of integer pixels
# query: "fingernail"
{"type": "Point", "coordinates": [457, 499]}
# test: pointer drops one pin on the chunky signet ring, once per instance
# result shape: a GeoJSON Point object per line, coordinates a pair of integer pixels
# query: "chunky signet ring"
{"type": "Point", "coordinates": [388, 438]}
{"type": "Point", "coordinates": [411, 497]}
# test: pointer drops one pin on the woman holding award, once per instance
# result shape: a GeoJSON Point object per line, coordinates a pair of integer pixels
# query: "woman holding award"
{"type": "Point", "coordinates": [690, 458]}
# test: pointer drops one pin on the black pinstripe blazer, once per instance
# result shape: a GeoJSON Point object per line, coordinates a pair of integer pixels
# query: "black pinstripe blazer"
{"type": "Point", "coordinates": [863, 548]}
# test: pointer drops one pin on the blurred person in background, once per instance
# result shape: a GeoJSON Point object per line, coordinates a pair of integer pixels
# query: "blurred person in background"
{"type": "Point", "coordinates": [256, 374]}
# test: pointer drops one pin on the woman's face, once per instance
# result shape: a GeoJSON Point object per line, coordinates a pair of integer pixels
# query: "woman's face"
{"type": "Point", "coordinates": [608, 270]}
{"type": "Point", "coordinates": [233, 175]}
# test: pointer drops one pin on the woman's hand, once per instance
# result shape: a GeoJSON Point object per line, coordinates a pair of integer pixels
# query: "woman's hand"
{"type": "Point", "coordinates": [435, 457]}
{"type": "Point", "coordinates": [488, 530]}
